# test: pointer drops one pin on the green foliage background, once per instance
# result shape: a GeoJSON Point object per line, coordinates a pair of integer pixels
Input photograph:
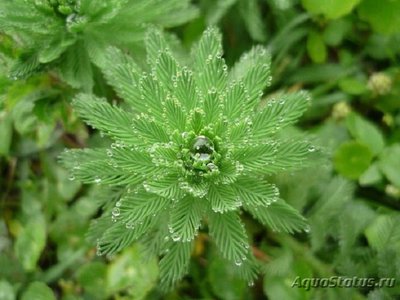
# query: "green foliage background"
{"type": "Point", "coordinates": [346, 53]}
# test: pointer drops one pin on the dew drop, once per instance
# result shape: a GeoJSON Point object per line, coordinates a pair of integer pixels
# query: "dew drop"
{"type": "Point", "coordinates": [238, 262]}
{"type": "Point", "coordinates": [116, 212]}
{"type": "Point", "coordinates": [311, 149]}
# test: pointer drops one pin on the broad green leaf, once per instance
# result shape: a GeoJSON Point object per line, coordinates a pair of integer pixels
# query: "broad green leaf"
{"type": "Point", "coordinates": [223, 198]}
{"type": "Point", "coordinates": [5, 133]}
{"type": "Point", "coordinates": [229, 235]}
{"type": "Point", "coordinates": [38, 291]}
{"type": "Point", "coordinates": [185, 218]}
{"type": "Point", "coordinates": [30, 242]}
{"type": "Point", "coordinates": [250, 11]}
{"type": "Point", "coordinates": [389, 164]}
{"type": "Point", "coordinates": [6, 291]}
{"type": "Point", "coordinates": [217, 9]}
{"type": "Point", "coordinates": [382, 15]}
{"type": "Point", "coordinates": [353, 86]}
{"type": "Point", "coordinates": [131, 275]}
{"type": "Point", "coordinates": [330, 9]}
{"type": "Point", "coordinates": [279, 216]}
{"type": "Point", "coordinates": [316, 47]}
{"type": "Point", "coordinates": [365, 132]}
{"type": "Point", "coordinates": [384, 231]}
{"type": "Point", "coordinates": [76, 68]}
{"type": "Point", "coordinates": [335, 32]}
{"type": "Point", "coordinates": [224, 281]}
{"type": "Point", "coordinates": [174, 264]}
{"type": "Point", "coordinates": [371, 176]}
{"type": "Point", "coordinates": [352, 159]}
{"type": "Point", "coordinates": [92, 277]}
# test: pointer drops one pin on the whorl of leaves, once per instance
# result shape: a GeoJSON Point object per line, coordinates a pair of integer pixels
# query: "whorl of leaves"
{"type": "Point", "coordinates": [194, 148]}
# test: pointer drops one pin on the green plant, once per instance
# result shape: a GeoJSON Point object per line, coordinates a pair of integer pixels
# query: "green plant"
{"type": "Point", "coordinates": [192, 144]}
{"type": "Point", "coordinates": [72, 34]}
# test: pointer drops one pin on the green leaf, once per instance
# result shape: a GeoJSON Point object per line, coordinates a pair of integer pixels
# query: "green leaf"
{"type": "Point", "coordinates": [122, 73]}
{"type": "Point", "coordinates": [212, 107]}
{"type": "Point", "coordinates": [120, 235]}
{"type": "Point", "coordinates": [389, 164]}
{"type": "Point", "coordinates": [335, 32]}
{"type": "Point", "coordinates": [131, 160]}
{"type": "Point", "coordinates": [209, 65]}
{"type": "Point", "coordinates": [235, 100]}
{"type": "Point", "coordinates": [279, 216]}
{"type": "Point", "coordinates": [95, 166]}
{"type": "Point", "coordinates": [330, 9]}
{"type": "Point", "coordinates": [30, 242]}
{"type": "Point", "coordinates": [274, 157]}
{"type": "Point", "coordinates": [185, 218]}
{"type": "Point", "coordinates": [38, 291]}
{"type": "Point", "coordinates": [25, 66]}
{"type": "Point", "coordinates": [164, 65]}
{"type": "Point", "coordinates": [149, 131]}
{"type": "Point", "coordinates": [5, 133]}
{"type": "Point", "coordinates": [111, 120]}
{"type": "Point", "coordinates": [255, 192]}
{"type": "Point", "coordinates": [175, 115]}
{"type": "Point", "coordinates": [352, 159]}
{"type": "Point", "coordinates": [185, 89]}
{"type": "Point", "coordinates": [382, 15]}
{"type": "Point", "coordinates": [316, 47]}
{"type": "Point", "coordinates": [279, 113]}
{"type": "Point", "coordinates": [174, 264]}
{"type": "Point", "coordinates": [253, 70]}
{"type": "Point", "coordinates": [138, 205]}
{"type": "Point", "coordinates": [165, 186]}
{"type": "Point", "coordinates": [371, 176]}
{"type": "Point", "coordinates": [217, 9]}
{"type": "Point", "coordinates": [76, 68]}
{"type": "Point", "coordinates": [384, 231]}
{"type": "Point", "coordinates": [92, 277]}
{"type": "Point", "coordinates": [223, 198]}
{"type": "Point", "coordinates": [353, 86]}
{"type": "Point", "coordinates": [229, 235]}
{"type": "Point", "coordinates": [365, 132]}
{"type": "Point", "coordinates": [250, 11]}
{"type": "Point", "coordinates": [6, 291]}
{"type": "Point", "coordinates": [224, 282]}
{"type": "Point", "coordinates": [129, 274]}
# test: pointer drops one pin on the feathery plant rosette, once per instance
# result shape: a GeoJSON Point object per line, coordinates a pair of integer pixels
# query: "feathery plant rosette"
{"type": "Point", "coordinates": [72, 34]}
{"type": "Point", "coordinates": [191, 147]}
